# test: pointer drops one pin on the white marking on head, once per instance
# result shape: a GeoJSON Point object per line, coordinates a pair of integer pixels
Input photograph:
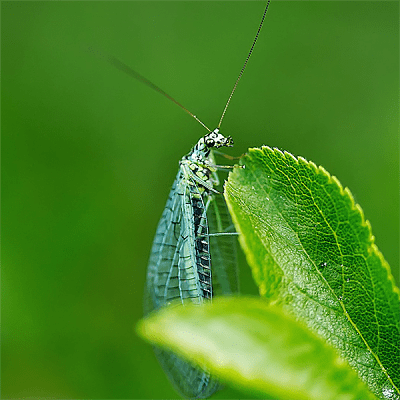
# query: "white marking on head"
{"type": "Point", "coordinates": [215, 139]}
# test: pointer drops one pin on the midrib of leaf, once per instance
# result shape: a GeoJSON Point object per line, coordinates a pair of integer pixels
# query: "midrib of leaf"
{"type": "Point", "coordinates": [236, 189]}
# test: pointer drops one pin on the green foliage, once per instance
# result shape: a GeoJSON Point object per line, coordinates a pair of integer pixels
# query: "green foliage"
{"type": "Point", "coordinates": [312, 251]}
{"type": "Point", "coordinates": [330, 301]}
{"type": "Point", "coordinates": [247, 342]}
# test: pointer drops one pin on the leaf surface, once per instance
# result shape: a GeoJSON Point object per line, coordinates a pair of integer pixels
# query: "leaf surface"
{"type": "Point", "coordinates": [312, 251]}
{"type": "Point", "coordinates": [251, 344]}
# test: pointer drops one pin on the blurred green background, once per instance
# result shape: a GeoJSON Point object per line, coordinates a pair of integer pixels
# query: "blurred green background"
{"type": "Point", "coordinates": [89, 155]}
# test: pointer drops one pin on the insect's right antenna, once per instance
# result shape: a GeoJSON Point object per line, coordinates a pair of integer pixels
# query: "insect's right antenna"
{"type": "Point", "coordinates": [128, 70]}
{"type": "Point", "coordinates": [245, 64]}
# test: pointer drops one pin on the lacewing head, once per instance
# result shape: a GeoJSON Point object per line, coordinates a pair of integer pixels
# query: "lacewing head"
{"type": "Point", "coordinates": [215, 139]}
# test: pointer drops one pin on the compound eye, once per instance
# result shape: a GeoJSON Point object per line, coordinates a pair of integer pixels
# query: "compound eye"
{"type": "Point", "coordinates": [210, 142]}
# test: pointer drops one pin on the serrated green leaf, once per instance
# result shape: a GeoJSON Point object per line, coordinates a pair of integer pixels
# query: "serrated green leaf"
{"type": "Point", "coordinates": [311, 250]}
{"type": "Point", "coordinates": [251, 344]}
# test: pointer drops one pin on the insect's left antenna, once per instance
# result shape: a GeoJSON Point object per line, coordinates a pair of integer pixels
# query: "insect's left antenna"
{"type": "Point", "coordinates": [245, 64]}
{"type": "Point", "coordinates": [128, 70]}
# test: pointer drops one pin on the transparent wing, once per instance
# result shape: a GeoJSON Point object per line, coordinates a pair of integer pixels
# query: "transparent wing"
{"type": "Point", "coordinates": [162, 277]}
{"type": "Point", "coordinates": [225, 272]}
{"type": "Point", "coordinates": [180, 267]}
{"type": "Point", "coordinates": [187, 379]}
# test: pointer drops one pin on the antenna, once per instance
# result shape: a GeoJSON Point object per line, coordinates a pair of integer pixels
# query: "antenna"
{"type": "Point", "coordinates": [244, 65]}
{"type": "Point", "coordinates": [128, 70]}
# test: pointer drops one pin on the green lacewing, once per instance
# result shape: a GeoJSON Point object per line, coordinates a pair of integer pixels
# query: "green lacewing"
{"type": "Point", "coordinates": [193, 253]}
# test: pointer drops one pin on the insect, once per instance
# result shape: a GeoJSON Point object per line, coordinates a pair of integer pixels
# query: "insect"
{"type": "Point", "coordinates": [193, 256]}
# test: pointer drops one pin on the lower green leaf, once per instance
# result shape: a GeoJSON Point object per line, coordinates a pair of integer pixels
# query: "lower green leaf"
{"type": "Point", "coordinates": [248, 343]}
